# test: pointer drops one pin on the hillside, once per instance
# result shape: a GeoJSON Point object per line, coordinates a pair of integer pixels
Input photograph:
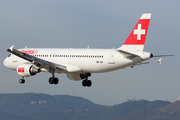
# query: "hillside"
{"type": "Point", "coordinates": [31, 106]}
{"type": "Point", "coordinates": [170, 112]}
{"type": "Point", "coordinates": [29, 103]}
{"type": "Point", "coordinates": [101, 113]}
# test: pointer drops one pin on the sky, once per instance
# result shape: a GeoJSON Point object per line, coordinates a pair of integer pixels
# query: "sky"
{"type": "Point", "coordinates": [94, 23]}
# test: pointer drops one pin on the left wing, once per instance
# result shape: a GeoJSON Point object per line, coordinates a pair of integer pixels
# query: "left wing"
{"type": "Point", "coordinates": [49, 66]}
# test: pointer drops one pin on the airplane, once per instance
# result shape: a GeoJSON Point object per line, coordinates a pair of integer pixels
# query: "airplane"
{"type": "Point", "coordinates": [78, 64]}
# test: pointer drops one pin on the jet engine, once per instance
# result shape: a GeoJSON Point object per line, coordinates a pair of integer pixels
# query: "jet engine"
{"type": "Point", "coordinates": [27, 70]}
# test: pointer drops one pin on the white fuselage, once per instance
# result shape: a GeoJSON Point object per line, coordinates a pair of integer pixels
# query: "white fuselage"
{"type": "Point", "coordinates": [88, 60]}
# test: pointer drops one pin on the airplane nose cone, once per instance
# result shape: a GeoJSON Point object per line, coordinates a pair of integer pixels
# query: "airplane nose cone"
{"type": "Point", "coordinates": [5, 62]}
{"type": "Point", "coordinates": [9, 64]}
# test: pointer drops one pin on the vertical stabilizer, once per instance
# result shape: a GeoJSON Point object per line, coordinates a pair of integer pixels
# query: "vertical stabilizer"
{"type": "Point", "coordinates": [137, 37]}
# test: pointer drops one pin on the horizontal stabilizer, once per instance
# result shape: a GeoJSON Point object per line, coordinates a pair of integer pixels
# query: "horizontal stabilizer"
{"type": "Point", "coordinates": [162, 55]}
{"type": "Point", "coordinates": [129, 52]}
{"type": "Point", "coordinates": [159, 61]}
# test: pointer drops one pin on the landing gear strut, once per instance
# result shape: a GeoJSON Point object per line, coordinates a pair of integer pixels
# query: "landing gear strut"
{"type": "Point", "coordinates": [86, 82]}
{"type": "Point", "coordinates": [53, 79]}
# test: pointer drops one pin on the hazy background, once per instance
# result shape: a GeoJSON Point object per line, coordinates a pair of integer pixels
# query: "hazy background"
{"type": "Point", "coordinates": [94, 23]}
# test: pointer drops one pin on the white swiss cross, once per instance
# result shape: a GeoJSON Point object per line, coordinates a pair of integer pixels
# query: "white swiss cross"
{"type": "Point", "coordinates": [139, 32]}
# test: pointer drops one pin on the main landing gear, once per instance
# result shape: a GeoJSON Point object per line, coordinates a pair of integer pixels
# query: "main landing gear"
{"type": "Point", "coordinates": [86, 82]}
{"type": "Point", "coordinates": [53, 80]}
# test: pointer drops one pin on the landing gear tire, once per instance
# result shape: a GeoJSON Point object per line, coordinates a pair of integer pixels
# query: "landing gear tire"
{"type": "Point", "coordinates": [86, 83]}
{"type": "Point", "coordinates": [56, 81]}
{"type": "Point", "coordinates": [89, 83]}
{"type": "Point", "coordinates": [53, 80]}
{"type": "Point", "coordinates": [21, 81]}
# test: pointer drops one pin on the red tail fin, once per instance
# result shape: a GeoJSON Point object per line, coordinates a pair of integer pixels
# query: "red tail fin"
{"type": "Point", "coordinates": [137, 37]}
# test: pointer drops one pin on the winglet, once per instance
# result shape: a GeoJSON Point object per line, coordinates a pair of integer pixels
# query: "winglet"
{"type": "Point", "coordinates": [11, 48]}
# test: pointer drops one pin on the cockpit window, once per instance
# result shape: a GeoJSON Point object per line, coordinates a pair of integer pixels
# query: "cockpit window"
{"type": "Point", "coordinates": [9, 55]}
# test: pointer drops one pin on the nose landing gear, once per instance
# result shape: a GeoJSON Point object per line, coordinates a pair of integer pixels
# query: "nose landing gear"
{"type": "Point", "coordinates": [22, 81]}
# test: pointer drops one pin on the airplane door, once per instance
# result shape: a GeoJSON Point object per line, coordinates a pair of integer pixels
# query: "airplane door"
{"type": "Point", "coordinates": [14, 58]}
{"type": "Point", "coordinates": [111, 57]}
{"type": "Point", "coordinates": [50, 56]}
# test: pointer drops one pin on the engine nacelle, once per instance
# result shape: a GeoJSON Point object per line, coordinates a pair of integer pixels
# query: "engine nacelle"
{"type": "Point", "coordinates": [76, 77]}
{"type": "Point", "coordinates": [27, 70]}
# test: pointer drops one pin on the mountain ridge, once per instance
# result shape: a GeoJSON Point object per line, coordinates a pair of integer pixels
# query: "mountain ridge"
{"type": "Point", "coordinates": [41, 102]}
{"type": "Point", "coordinates": [33, 106]}
{"type": "Point", "coordinates": [169, 112]}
